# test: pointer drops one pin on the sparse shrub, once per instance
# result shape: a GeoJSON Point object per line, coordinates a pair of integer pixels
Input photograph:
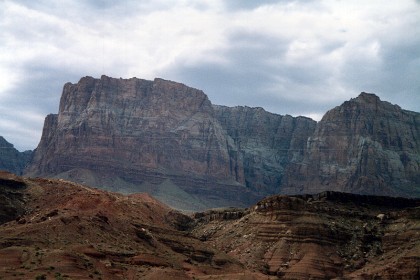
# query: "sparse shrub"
{"type": "Point", "coordinates": [41, 277]}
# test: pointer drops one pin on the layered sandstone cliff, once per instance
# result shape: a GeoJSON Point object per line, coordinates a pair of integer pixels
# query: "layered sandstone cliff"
{"type": "Point", "coordinates": [364, 146]}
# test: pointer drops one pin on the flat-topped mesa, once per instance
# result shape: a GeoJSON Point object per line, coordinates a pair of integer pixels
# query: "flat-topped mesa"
{"type": "Point", "coordinates": [139, 130]}
{"type": "Point", "coordinates": [167, 139]}
{"type": "Point", "coordinates": [130, 97]}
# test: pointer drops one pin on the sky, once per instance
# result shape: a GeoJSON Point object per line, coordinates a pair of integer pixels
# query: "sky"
{"type": "Point", "coordinates": [289, 57]}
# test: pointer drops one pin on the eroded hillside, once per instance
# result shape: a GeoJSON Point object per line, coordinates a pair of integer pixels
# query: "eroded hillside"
{"type": "Point", "coordinates": [64, 230]}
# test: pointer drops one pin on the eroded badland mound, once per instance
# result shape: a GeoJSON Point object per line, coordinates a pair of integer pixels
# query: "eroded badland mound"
{"type": "Point", "coordinates": [61, 230]}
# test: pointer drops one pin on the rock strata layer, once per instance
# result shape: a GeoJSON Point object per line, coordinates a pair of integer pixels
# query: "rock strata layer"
{"type": "Point", "coordinates": [329, 235]}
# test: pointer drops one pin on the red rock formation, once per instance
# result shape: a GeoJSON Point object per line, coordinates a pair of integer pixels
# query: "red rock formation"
{"type": "Point", "coordinates": [325, 236]}
{"type": "Point", "coordinates": [61, 229]}
{"type": "Point", "coordinates": [71, 231]}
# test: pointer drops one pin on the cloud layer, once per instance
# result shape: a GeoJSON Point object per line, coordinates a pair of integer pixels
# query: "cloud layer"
{"type": "Point", "coordinates": [290, 57]}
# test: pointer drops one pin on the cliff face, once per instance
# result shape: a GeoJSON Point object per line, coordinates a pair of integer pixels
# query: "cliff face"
{"type": "Point", "coordinates": [167, 139]}
{"type": "Point", "coordinates": [12, 160]}
{"type": "Point", "coordinates": [146, 133]}
{"type": "Point", "coordinates": [364, 146]}
{"type": "Point", "coordinates": [267, 143]}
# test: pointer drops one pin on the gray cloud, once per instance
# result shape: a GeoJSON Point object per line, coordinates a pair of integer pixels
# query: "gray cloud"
{"type": "Point", "coordinates": [252, 4]}
{"type": "Point", "coordinates": [258, 75]}
{"type": "Point", "coordinates": [289, 57]}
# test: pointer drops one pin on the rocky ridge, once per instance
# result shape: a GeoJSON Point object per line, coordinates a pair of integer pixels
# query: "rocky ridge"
{"type": "Point", "coordinates": [136, 135]}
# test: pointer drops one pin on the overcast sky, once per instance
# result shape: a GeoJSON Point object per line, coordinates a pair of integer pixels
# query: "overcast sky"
{"type": "Point", "coordinates": [289, 57]}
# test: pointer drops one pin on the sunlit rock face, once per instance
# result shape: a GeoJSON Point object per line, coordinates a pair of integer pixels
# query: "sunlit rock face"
{"type": "Point", "coordinates": [365, 146]}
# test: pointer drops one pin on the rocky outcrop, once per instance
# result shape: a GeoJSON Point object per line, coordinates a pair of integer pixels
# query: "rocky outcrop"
{"type": "Point", "coordinates": [134, 124]}
{"type": "Point", "coordinates": [12, 160]}
{"type": "Point", "coordinates": [266, 142]}
{"type": "Point", "coordinates": [364, 146]}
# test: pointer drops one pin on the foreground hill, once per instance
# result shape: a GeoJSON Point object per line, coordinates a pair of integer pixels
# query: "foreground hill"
{"type": "Point", "coordinates": [167, 139]}
{"type": "Point", "coordinates": [61, 229]}
{"type": "Point", "coordinates": [54, 229]}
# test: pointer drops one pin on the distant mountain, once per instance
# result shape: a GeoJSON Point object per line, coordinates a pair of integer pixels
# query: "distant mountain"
{"type": "Point", "coordinates": [364, 146]}
{"type": "Point", "coordinates": [11, 159]}
{"type": "Point", "coordinates": [167, 139]}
